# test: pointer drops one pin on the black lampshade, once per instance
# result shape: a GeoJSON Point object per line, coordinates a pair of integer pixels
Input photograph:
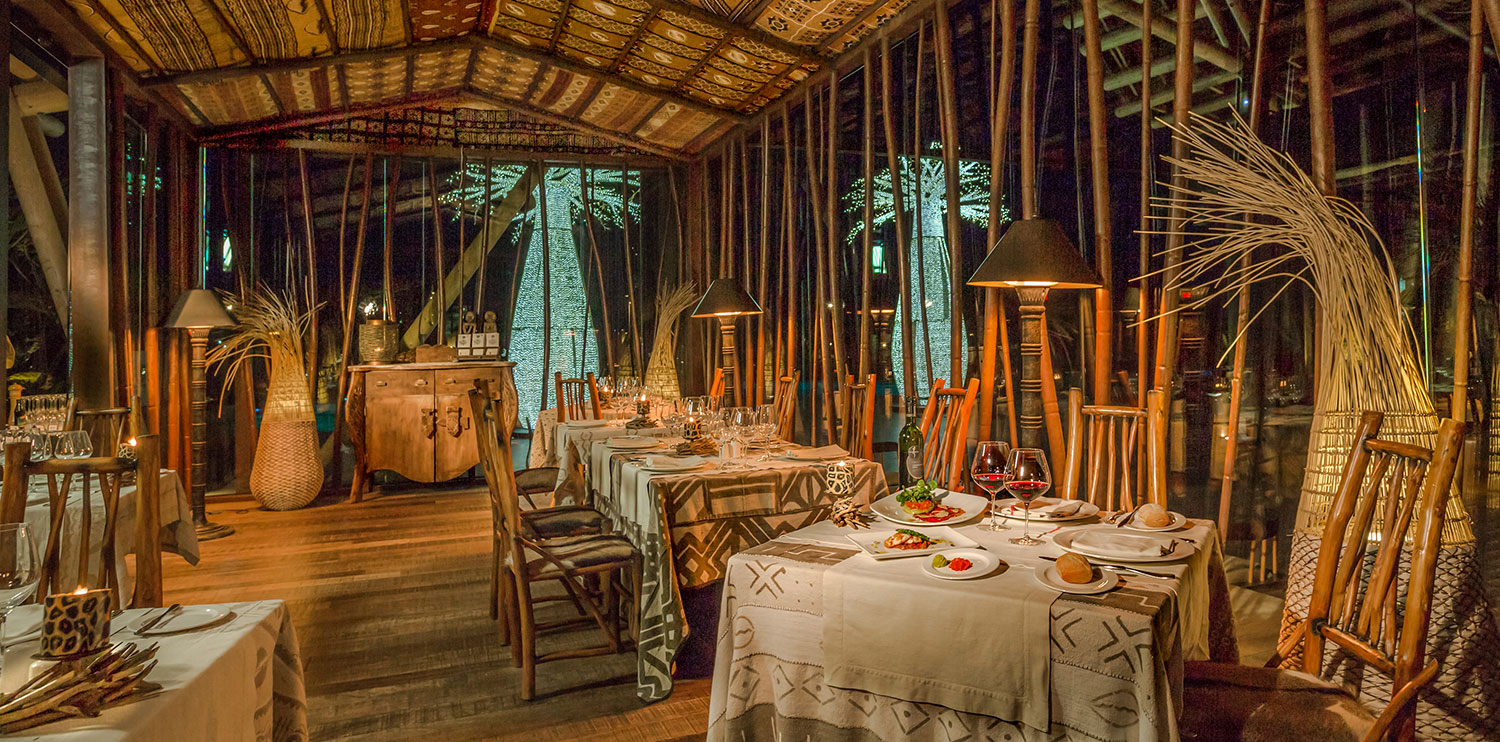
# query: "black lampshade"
{"type": "Point", "coordinates": [1036, 252]}
{"type": "Point", "coordinates": [199, 308]}
{"type": "Point", "coordinates": [725, 298]}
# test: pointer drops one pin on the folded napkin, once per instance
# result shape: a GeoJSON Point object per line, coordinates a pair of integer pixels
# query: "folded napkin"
{"type": "Point", "coordinates": [817, 454]}
{"type": "Point", "coordinates": [1044, 505]}
{"type": "Point", "coordinates": [1112, 544]}
{"type": "Point", "coordinates": [587, 423]}
{"type": "Point", "coordinates": [672, 462]}
{"type": "Point", "coordinates": [634, 441]}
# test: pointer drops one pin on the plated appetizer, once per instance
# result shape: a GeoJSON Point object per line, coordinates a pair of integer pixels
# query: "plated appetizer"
{"type": "Point", "coordinates": [909, 540]}
{"type": "Point", "coordinates": [920, 501]}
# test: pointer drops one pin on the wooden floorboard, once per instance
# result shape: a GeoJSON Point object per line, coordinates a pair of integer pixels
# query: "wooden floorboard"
{"type": "Point", "coordinates": [390, 601]}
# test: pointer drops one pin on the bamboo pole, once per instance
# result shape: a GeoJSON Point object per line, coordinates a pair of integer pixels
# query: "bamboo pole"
{"type": "Point", "coordinates": [343, 230]}
{"type": "Point", "coordinates": [820, 312]}
{"type": "Point", "coordinates": [1182, 104]}
{"type": "Point", "coordinates": [311, 279]}
{"type": "Point", "coordinates": [541, 184]}
{"type": "Point", "coordinates": [632, 290]}
{"type": "Point", "coordinates": [394, 184]}
{"type": "Point", "coordinates": [1143, 297]}
{"type": "Point", "coordinates": [765, 261]}
{"type": "Point", "coordinates": [1030, 32]}
{"type": "Point", "coordinates": [1463, 306]}
{"type": "Point", "coordinates": [898, 201]}
{"type": "Point", "coordinates": [746, 355]}
{"type": "Point", "coordinates": [463, 241]}
{"type": "Point", "coordinates": [1242, 318]}
{"type": "Point", "coordinates": [440, 290]}
{"type": "Point", "coordinates": [789, 270]}
{"type": "Point", "coordinates": [1104, 316]}
{"type": "Point", "coordinates": [942, 42]}
{"type": "Point", "coordinates": [1324, 166]}
{"type": "Point", "coordinates": [995, 327]}
{"type": "Point", "coordinates": [867, 246]}
{"type": "Point", "coordinates": [586, 177]}
{"type": "Point", "coordinates": [484, 257]}
{"type": "Point", "coordinates": [351, 298]}
{"type": "Point", "coordinates": [830, 204]}
{"type": "Point", "coordinates": [921, 202]}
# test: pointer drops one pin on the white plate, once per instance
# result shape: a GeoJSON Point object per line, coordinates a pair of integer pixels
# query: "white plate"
{"type": "Point", "coordinates": [632, 442]}
{"type": "Point", "coordinates": [872, 542]}
{"type": "Point", "coordinates": [1086, 510]}
{"type": "Point", "coordinates": [973, 506]}
{"type": "Point", "coordinates": [189, 618]}
{"type": "Point", "coordinates": [1066, 541]}
{"type": "Point", "coordinates": [1178, 520]}
{"type": "Point", "coordinates": [588, 423]}
{"type": "Point", "coordinates": [1049, 577]}
{"type": "Point", "coordinates": [984, 563]}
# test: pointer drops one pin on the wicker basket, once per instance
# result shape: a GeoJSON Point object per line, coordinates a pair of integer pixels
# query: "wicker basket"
{"type": "Point", "coordinates": [378, 341]}
{"type": "Point", "coordinates": [288, 470]}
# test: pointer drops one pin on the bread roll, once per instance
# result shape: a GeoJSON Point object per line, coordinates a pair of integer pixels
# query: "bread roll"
{"type": "Point", "coordinates": [1075, 568]}
{"type": "Point", "coordinates": [1153, 516]}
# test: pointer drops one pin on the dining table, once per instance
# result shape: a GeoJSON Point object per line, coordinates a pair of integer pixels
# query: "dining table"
{"type": "Point", "coordinates": [546, 447]}
{"type": "Point", "coordinates": [819, 640]}
{"type": "Point", "coordinates": [236, 677]}
{"type": "Point", "coordinates": [689, 523]}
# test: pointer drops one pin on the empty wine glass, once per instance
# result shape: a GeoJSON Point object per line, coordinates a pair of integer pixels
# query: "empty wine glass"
{"type": "Point", "coordinates": [988, 473]}
{"type": "Point", "coordinates": [765, 429]}
{"type": "Point", "coordinates": [72, 444]}
{"type": "Point", "coordinates": [41, 445]}
{"type": "Point", "coordinates": [20, 570]}
{"type": "Point", "coordinates": [1027, 477]}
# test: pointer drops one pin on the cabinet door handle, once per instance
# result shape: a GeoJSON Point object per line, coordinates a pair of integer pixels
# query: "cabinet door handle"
{"type": "Point", "coordinates": [450, 381]}
{"type": "Point", "coordinates": [429, 422]}
{"type": "Point", "coordinates": [382, 383]}
{"type": "Point", "coordinates": [420, 382]}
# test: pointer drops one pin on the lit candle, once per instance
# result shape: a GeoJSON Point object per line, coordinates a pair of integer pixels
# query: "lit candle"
{"type": "Point", "coordinates": [75, 624]}
{"type": "Point", "coordinates": [692, 428]}
{"type": "Point", "coordinates": [642, 405]}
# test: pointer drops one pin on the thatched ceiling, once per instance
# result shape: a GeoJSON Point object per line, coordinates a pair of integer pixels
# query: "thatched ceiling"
{"type": "Point", "coordinates": [665, 75]}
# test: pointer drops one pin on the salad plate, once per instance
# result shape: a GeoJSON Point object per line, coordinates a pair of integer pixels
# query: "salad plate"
{"type": "Point", "coordinates": [1104, 581]}
{"type": "Point", "coordinates": [925, 505]}
{"type": "Point", "coordinates": [960, 564]}
{"type": "Point", "coordinates": [1178, 520]}
{"type": "Point", "coordinates": [894, 543]}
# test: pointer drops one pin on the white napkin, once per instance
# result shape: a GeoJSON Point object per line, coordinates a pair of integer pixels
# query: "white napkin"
{"type": "Point", "coordinates": [586, 423]}
{"type": "Point", "coordinates": [672, 462]}
{"type": "Point", "coordinates": [631, 442]}
{"type": "Point", "coordinates": [1043, 505]}
{"type": "Point", "coordinates": [817, 454]}
{"type": "Point", "coordinates": [1110, 543]}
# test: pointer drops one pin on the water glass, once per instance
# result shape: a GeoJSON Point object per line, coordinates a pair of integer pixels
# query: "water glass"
{"type": "Point", "coordinates": [20, 570]}
{"type": "Point", "coordinates": [41, 445]}
{"type": "Point", "coordinates": [72, 444]}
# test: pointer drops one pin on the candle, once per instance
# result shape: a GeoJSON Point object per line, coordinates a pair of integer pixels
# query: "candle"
{"type": "Point", "coordinates": [642, 405]}
{"type": "Point", "coordinates": [692, 428]}
{"type": "Point", "coordinates": [839, 478]}
{"type": "Point", "coordinates": [75, 624]}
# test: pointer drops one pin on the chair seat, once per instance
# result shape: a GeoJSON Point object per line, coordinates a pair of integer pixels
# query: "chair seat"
{"type": "Point", "coordinates": [1237, 703]}
{"type": "Point", "coordinates": [581, 554]}
{"type": "Point", "coordinates": [536, 480]}
{"type": "Point", "coordinates": [564, 521]}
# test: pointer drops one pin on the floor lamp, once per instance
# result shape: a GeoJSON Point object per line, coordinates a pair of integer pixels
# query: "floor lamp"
{"type": "Point", "coordinates": [198, 311]}
{"type": "Point", "coordinates": [726, 301]}
{"type": "Point", "coordinates": [1032, 257]}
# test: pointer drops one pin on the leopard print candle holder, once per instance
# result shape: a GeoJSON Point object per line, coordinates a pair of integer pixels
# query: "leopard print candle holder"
{"type": "Point", "coordinates": [75, 624]}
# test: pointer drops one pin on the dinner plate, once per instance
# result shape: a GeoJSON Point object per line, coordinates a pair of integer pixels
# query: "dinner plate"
{"type": "Point", "coordinates": [983, 564]}
{"type": "Point", "coordinates": [632, 442]}
{"type": "Point", "coordinates": [1104, 581]}
{"type": "Point", "coordinates": [972, 505]}
{"type": "Point", "coordinates": [1178, 520]}
{"type": "Point", "coordinates": [1069, 541]}
{"type": "Point", "coordinates": [190, 618]}
{"type": "Point", "coordinates": [1010, 508]}
{"type": "Point", "coordinates": [872, 541]}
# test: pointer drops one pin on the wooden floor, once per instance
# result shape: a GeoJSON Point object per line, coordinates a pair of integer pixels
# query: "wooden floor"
{"type": "Point", "coordinates": [389, 598]}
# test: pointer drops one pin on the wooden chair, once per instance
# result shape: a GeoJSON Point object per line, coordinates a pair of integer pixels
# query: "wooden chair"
{"type": "Point", "coordinates": [716, 389]}
{"type": "Point", "coordinates": [106, 427]}
{"type": "Point", "coordinates": [857, 434]}
{"type": "Point", "coordinates": [1353, 607]}
{"type": "Point", "coordinates": [1109, 438]}
{"type": "Point", "coordinates": [108, 472]}
{"type": "Point", "coordinates": [574, 563]}
{"type": "Point", "coordinates": [785, 403]}
{"type": "Point", "coordinates": [945, 433]}
{"type": "Point", "coordinates": [576, 398]}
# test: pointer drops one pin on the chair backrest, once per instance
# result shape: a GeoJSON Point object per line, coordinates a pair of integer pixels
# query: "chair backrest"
{"type": "Point", "coordinates": [577, 398]}
{"type": "Point", "coordinates": [785, 404]}
{"type": "Point", "coordinates": [106, 427]}
{"type": "Point", "coordinates": [857, 434]}
{"type": "Point", "coordinates": [108, 471]}
{"type": "Point", "coordinates": [1107, 463]}
{"type": "Point", "coordinates": [499, 475]}
{"type": "Point", "coordinates": [1355, 587]}
{"type": "Point", "coordinates": [716, 389]}
{"type": "Point", "coordinates": [945, 432]}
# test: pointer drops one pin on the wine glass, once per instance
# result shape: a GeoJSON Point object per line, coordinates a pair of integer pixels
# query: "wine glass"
{"type": "Point", "coordinates": [72, 444]}
{"type": "Point", "coordinates": [20, 570]}
{"type": "Point", "coordinates": [1027, 478]}
{"type": "Point", "coordinates": [743, 420]}
{"type": "Point", "coordinates": [765, 429]}
{"type": "Point", "coordinates": [41, 445]}
{"type": "Point", "coordinates": [988, 473]}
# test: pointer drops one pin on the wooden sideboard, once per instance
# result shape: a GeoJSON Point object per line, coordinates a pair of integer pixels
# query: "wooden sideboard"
{"type": "Point", "coordinates": [414, 418]}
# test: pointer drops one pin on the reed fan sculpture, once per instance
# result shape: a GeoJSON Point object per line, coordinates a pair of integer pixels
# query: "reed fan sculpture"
{"type": "Point", "coordinates": [1239, 196]}
{"type": "Point", "coordinates": [661, 367]}
{"type": "Point", "coordinates": [288, 470]}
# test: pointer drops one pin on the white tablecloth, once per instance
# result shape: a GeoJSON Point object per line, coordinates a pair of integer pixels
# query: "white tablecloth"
{"type": "Point", "coordinates": [544, 448]}
{"type": "Point", "coordinates": [570, 441]}
{"type": "Point", "coordinates": [237, 682]}
{"type": "Point", "coordinates": [178, 536]}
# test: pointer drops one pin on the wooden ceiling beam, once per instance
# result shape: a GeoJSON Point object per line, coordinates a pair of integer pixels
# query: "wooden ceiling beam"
{"type": "Point", "coordinates": [232, 31]}
{"type": "Point", "coordinates": [267, 126]}
{"type": "Point", "coordinates": [1164, 95]}
{"type": "Point", "coordinates": [1131, 34]}
{"type": "Point", "coordinates": [635, 40]}
{"type": "Point", "coordinates": [530, 111]}
{"type": "Point", "coordinates": [1163, 29]}
{"type": "Point", "coordinates": [734, 28]}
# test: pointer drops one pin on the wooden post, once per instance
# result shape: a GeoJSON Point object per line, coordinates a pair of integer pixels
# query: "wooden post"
{"type": "Point", "coordinates": [1465, 294]}
{"type": "Point", "coordinates": [311, 281]}
{"type": "Point", "coordinates": [1030, 32]}
{"type": "Point", "coordinates": [995, 327]}
{"type": "Point", "coordinates": [586, 176]}
{"type": "Point", "coordinates": [343, 234]}
{"type": "Point", "coordinates": [820, 311]}
{"type": "Point", "coordinates": [942, 41]}
{"type": "Point", "coordinates": [898, 201]}
{"type": "Point", "coordinates": [789, 272]}
{"type": "Point", "coordinates": [1104, 315]}
{"type": "Point", "coordinates": [392, 197]}
{"type": "Point", "coordinates": [484, 257]}
{"type": "Point", "coordinates": [1182, 105]}
{"type": "Point", "coordinates": [441, 309]}
{"type": "Point", "coordinates": [867, 245]}
{"type": "Point", "coordinates": [768, 307]}
{"type": "Point", "coordinates": [350, 328]}
{"type": "Point", "coordinates": [632, 290]}
{"type": "Point", "coordinates": [916, 118]}
{"type": "Point", "coordinates": [830, 204]}
{"type": "Point", "coordinates": [541, 183]}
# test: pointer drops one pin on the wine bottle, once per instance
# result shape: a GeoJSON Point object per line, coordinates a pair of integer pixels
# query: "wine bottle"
{"type": "Point", "coordinates": [909, 444]}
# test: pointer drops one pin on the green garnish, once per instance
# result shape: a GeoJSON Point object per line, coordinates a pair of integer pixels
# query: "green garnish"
{"type": "Point", "coordinates": [914, 534]}
{"type": "Point", "coordinates": [939, 561]}
{"type": "Point", "coordinates": [922, 490]}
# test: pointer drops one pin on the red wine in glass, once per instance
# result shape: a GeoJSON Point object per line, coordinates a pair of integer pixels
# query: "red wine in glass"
{"type": "Point", "coordinates": [988, 474]}
{"type": "Point", "coordinates": [1029, 477]}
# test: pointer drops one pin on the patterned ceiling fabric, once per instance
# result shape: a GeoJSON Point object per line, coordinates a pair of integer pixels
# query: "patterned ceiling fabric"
{"type": "Point", "coordinates": [618, 109]}
{"type": "Point", "coordinates": [443, 19]}
{"type": "Point", "coordinates": [278, 30]}
{"type": "Point", "coordinates": [92, 12]}
{"type": "Point", "coordinates": [503, 75]}
{"type": "Point", "coordinates": [561, 91]}
{"type": "Point", "coordinates": [367, 24]}
{"type": "Point", "coordinates": [808, 22]}
{"type": "Point", "coordinates": [183, 35]}
{"type": "Point", "coordinates": [306, 90]}
{"type": "Point", "coordinates": [240, 99]}
{"type": "Point", "coordinates": [675, 126]}
{"type": "Point", "coordinates": [440, 70]}
{"type": "Point", "coordinates": [372, 82]}
{"type": "Point", "coordinates": [864, 28]}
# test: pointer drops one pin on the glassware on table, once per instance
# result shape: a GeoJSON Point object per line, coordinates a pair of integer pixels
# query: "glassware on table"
{"type": "Point", "coordinates": [41, 445]}
{"type": "Point", "coordinates": [1027, 477]}
{"type": "Point", "coordinates": [20, 570]}
{"type": "Point", "coordinates": [765, 430]}
{"type": "Point", "coordinates": [743, 420]}
{"type": "Point", "coordinates": [988, 473]}
{"type": "Point", "coordinates": [72, 444]}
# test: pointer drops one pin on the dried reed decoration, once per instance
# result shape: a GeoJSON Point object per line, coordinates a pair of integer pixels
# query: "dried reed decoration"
{"type": "Point", "coordinates": [661, 377]}
{"type": "Point", "coordinates": [81, 688]}
{"type": "Point", "coordinates": [1238, 195]}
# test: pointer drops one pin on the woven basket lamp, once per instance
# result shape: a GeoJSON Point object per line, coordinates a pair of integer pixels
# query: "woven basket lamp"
{"type": "Point", "coordinates": [1033, 257]}
{"type": "Point", "coordinates": [726, 301]}
{"type": "Point", "coordinates": [198, 311]}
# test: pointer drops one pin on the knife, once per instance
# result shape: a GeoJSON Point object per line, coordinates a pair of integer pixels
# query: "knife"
{"type": "Point", "coordinates": [175, 607]}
